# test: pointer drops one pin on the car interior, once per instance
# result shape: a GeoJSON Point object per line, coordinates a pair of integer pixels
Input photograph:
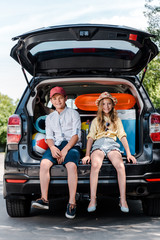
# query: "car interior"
{"type": "Point", "coordinates": [80, 96]}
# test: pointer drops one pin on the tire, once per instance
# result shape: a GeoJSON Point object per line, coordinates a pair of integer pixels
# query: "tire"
{"type": "Point", "coordinates": [52, 206]}
{"type": "Point", "coordinates": [151, 206]}
{"type": "Point", "coordinates": [18, 207]}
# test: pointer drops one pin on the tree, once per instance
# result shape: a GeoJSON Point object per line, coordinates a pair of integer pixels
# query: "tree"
{"type": "Point", "coordinates": [152, 77]}
{"type": "Point", "coordinates": [152, 13]}
{"type": "Point", "coordinates": [7, 108]}
{"type": "Point", "coordinates": [152, 82]}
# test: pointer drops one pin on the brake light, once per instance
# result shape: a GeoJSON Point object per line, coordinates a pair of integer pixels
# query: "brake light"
{"type": "Point", "coordinates": [84, 50]}
{"type": "Point", "coordinates": [155, 127]}
{"type": "Point", "coordinates": [14, 129]}
{"type": "Point", "coordinates": [133, 37]}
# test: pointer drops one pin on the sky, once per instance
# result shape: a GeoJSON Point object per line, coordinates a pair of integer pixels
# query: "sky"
{"type": "Point", "coordinates": [17, 17]}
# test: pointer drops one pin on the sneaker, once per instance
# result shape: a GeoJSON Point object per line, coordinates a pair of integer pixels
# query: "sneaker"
{"type": "Point", "coordinates": [41, 203]}
{"type": "Point", "coordinates": [71, 211]}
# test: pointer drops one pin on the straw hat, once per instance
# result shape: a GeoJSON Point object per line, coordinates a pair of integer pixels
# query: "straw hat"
{"type": "Point", "coordinates": [106, 95]}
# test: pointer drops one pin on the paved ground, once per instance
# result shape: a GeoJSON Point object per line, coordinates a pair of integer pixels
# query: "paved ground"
{"type": "Point", "coordinates": [107, 223]}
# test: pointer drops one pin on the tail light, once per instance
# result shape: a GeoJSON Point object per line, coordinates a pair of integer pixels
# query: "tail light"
{"type": "Point", "coordinates": [14, 129]}
{"type": "Point", "coordinates": [153, 179]}
{"type": "Point", "coordinates": [155, 127]}
{"type": "Point", "coordinates": [16, 180]}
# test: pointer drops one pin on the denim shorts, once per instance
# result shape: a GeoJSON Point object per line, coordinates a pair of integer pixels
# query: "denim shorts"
{"type": "Point", "coordinates": [105, 145]}
{"type": "Point", "coordinates": [73, 154]}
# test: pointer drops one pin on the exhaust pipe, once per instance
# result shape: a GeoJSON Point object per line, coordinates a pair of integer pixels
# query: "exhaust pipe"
{"type": "Point", "coordinates": [142, 190]}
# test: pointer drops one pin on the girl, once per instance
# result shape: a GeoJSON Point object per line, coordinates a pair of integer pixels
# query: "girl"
{"type": "Point", "coordinates": [105, 128]}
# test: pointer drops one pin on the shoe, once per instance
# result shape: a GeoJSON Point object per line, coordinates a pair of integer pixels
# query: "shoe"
{"type": "Point", "coordinates": [71, 211]}
{"type": "Point", "coordinates": [91, 209]}
{"type": "Point", "coordinates": [124, 209]}
{"type": "Point", "coordinates": [41, 203]}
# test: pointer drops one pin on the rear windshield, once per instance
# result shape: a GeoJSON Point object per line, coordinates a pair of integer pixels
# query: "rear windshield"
{"type": "Point", "coordinates": [95, 44]}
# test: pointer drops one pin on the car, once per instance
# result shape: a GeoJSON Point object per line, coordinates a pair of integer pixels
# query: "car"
{"type": "Point", "coordinates": [86, 60]}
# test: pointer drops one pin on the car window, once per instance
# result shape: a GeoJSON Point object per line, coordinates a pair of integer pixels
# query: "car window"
{"type": "Point", "coordinates": [70, 103]}
{"type": "Point", "coordinates": [106, 44]}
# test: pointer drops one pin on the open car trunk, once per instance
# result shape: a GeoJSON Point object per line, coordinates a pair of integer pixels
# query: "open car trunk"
{"type": "Point", "coordinates": [81, 96]}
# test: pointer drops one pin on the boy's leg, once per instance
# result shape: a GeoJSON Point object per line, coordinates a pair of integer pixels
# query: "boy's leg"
{"type": "Point", "coordinates": [45, 165]}
{"type": "Point", "coordinates": [45, 177]}
{"type": "Point", "coordinates": [72, 181]}
{"type": "Point", "coordinates": [71, 163]}
{"type": "Point", "coordinates": [43, 203]}
{"type": "Point", "coordinates": [72, 185]}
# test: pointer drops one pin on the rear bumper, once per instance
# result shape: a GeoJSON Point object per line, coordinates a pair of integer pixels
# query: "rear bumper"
{"type": "Point", "coordinates": [137, 187]}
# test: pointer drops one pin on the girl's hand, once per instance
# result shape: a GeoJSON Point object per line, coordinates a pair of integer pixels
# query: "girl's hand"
{"type": "Point", "coordinates": [86, 160]}
{"type": "Point", "coordinates": [131, 159]}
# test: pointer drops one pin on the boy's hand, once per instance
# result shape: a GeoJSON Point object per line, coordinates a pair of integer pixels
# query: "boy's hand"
{"type": "Point", "coordinates": [64, 152]}
{"type": "Point", "coordinates": [56, 153]}
{"type": "Point", "coordinates": [86, 160]}
{"type": "Point", "coordinates": [60, 160]}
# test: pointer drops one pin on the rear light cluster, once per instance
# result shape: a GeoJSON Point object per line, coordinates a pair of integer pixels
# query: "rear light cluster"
{"type": "Point", "coordinates": [155, 127]}
{"type": "Point", "coordinates": [14, 129]}
{"type": "Point", "coordinates": [153, 179]}
{"type": "Point", "coordinates": [16, 180]}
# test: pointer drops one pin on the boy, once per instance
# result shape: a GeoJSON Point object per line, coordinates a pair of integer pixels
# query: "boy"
{"type": "Point", "coordinates": [63, 134]}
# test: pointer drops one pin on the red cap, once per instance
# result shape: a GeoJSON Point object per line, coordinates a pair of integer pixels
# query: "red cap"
{"type": "Point", "coordinates": [58, 90]}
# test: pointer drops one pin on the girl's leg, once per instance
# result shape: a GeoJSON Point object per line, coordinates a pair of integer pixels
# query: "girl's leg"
{"type": "Point", "coordinates": [96, 162]}
{"type": "Point", "coordinates": [116, 159]}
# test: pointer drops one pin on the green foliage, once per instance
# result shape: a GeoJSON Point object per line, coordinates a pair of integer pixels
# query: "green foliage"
{"type": "Point", "coordinates": [152, 13]}
{"type": "Point", "coordinates": [152, 81]}
{"type": "Point", "coordinates": [152, 77]}
{"type": "Point", "coordinates": [7, 108]}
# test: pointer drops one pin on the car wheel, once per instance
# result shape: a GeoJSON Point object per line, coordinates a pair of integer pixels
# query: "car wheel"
{"type": "Point", "coordinates": [51, 206]}
{"type": "Point", "coordinates": [18, 207]}
{"type": "Point", "coordinates": [151, 206]}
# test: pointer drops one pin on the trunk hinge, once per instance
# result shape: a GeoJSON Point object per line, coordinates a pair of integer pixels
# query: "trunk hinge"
{"type": "Point", "coordinates": [23, 70]}
{"type": "Point", "coordinates": [145, 69]}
